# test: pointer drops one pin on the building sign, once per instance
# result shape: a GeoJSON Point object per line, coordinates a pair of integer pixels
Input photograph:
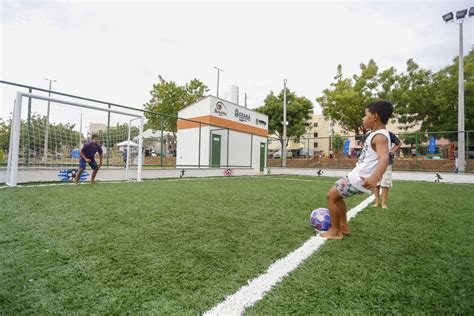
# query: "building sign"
{"type": "Point", "coordinates": [220, 109]}
{"type": "Point", "coordinates": [260, 122]}
{"type": "Point", "coordinates": [243, 117]}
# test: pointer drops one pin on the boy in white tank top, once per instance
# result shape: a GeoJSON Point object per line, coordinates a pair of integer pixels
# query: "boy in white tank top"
{"type": "Point", "coordinates": [368, 171]}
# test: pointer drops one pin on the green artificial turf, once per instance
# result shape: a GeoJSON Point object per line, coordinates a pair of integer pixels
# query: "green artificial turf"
{"type": "Point", "coordinates": [417, 257]}
{"type": "Point", "coordinates": [161, 246]}
{"type": "Point", "coordinates": [179, 246]}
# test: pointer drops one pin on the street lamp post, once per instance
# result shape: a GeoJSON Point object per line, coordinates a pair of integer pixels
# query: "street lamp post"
{"type": "Point", "coordinates": [46, 130]}
{"type": "Point", "coordinates": [449, 17]}
{"type": "Point", "coordinates": [218, 71]}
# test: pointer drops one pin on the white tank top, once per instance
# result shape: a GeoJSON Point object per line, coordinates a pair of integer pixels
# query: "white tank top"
{"type": "Point", "coordinates": [368, 161]}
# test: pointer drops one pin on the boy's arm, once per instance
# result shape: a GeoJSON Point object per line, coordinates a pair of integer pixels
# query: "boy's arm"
{"type": "Point", "coordinates": [84, 157]}
{"type": "Point", "coordinates": [380, 143]}
{"type": "Point", "coordinates": [397, 142]}
{"type": "Point", "coordinates": [396, 147]}
{"type": "Point", "coordinates": [100, 159]}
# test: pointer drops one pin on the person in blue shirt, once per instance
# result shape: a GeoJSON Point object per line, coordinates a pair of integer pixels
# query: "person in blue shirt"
{"type": "Point", "coordinates": [88, 152]}
{"type": "Point", "coordinates": [125, 156]}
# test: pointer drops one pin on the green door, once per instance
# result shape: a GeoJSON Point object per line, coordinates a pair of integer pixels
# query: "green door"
{"type": "Point", "coordinates": [262, 156]}
{"type": "Point", "coordinates": [216, 150]}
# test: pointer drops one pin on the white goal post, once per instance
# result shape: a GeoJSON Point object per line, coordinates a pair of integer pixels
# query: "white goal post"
{"type": "Point", "coordinates": [14, 153]}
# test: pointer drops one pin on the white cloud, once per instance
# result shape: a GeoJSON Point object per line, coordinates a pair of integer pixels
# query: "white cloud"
{"type": "Point", "coordinates": [114, 51]}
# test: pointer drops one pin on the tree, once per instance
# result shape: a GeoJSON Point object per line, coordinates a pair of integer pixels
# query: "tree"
{"type": "Point", "coordinates": [337, 143]}
{"type": "Point", "coordinates": [168, 98]}
{"type": "Point", "coordinates": [345, 102]}
{"type": "Point", "coordinates": [431, 99]}
{"type": "Point", "coordinates": [4, 138]}
{"type": "Point", "coordinates": [61, 136]}
{"type": "Point", "coordinates": [4, 135]}
{"type": "Point", "coordinates": [413, 95]}
{"type": "Point", "coordinates": [298, 114]}
{"type": "Point", "coordinates": [117, 134]}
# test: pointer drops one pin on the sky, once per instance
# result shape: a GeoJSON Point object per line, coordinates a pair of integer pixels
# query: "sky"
{"type": "Point", "coordinates": [115, 50]}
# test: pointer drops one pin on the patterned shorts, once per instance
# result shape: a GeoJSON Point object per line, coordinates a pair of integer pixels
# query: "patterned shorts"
{"type": "Point", "coordinates": [345, 188]}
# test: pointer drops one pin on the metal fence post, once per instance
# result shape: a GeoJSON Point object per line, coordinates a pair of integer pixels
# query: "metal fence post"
{"type": "Point", "coordinates": [199, 150]}
{"type": "Point", "coordinates": [307, 150]}
{"type": "Point", "coordinates": [251, 151]}
{"type": "Point", "coordinates": [467, 151]}
{"type": "Point", "coordinates": [416, 151]}
{"type": "Point", "coordinates": [108, 137]}
{"type": "Point", "coordinates": [266, 154]}
{"type": "Point", "coordinates": [228, 134]}
{"type": "Point", "coordinates": [27, 154]}
{"type": "Point", "coordinates": [161, 141]}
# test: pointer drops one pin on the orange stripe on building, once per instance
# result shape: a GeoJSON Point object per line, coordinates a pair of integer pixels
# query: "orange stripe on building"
{"type": "Point", "coordinates": [220, 122]}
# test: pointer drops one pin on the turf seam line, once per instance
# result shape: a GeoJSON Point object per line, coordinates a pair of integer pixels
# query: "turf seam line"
{"type": "Point", "coordinates": [257, 288]}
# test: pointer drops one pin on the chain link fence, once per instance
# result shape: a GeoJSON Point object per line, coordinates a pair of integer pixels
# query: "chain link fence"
{"type": "Point", "coordinates": [419, 152]}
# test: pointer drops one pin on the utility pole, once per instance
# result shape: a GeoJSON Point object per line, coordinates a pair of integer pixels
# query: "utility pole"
{"type": "Point", "coordinates": [46, 130]}
{"type": "Point", "coordinates": [245, 102]}
{"type": "Point", "coordinates": [218, 71]}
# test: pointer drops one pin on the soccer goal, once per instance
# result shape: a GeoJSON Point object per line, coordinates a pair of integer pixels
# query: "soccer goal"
{"type": "Point", "coordinates": [47, 135]}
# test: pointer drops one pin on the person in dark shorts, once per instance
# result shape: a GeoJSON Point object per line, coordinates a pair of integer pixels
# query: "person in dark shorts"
{"type": "Point", "coordinates": [88, 152]}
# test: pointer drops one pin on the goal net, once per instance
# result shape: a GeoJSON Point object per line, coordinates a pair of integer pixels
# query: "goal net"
{"type": "Point", "coordinates": [47, 135]}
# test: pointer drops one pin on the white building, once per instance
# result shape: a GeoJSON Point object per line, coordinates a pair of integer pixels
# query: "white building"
{"type": "Point", "coordinates": [217, 133]}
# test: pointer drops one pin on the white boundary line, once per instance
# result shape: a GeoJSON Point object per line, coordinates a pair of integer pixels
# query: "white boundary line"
{"type": "Point", "coordinates": [70, 183]}
{"type": "Point", "coordinates": [256, 289]}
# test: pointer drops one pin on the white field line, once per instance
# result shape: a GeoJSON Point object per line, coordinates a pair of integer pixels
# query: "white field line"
{"type": "Point", "coordinates": [161, 179]}
{"type": "Point", "coordinates": [117, 181]}
{"type": "Point", "coordinates": [304, 180]}
{"type": "Point", "coordinates": [256, 289]}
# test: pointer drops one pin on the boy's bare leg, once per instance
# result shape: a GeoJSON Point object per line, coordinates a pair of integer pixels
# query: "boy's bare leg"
{"type": "Point", "coordinates": [78, 175]}
{"type": "Point", "coordinates": [346, 230]}
{"type": "Point", "coordinates": [336, 209]}
{"type": "Point", "coordinates": [384, 197]}
{"type": "Point", "coordinates": [376, 193]}
{"type": "Point", "coordinates": [94, 173]}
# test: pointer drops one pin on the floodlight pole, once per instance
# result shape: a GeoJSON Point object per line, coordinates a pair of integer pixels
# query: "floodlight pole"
{"type": "Point", "coordinates": [46, 130]}
{"type": "Point", "coordinates": [283, 150]}
{"type": "Point", "coordinates": [460, 16]}
{"type": "Point", "coordinates": [461, 145]}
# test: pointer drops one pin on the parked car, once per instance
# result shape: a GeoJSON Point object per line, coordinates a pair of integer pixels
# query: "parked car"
{"type": "Point", "coordinates": [277, 154]}
{"type": "Point", "coordinates": [304, 152]}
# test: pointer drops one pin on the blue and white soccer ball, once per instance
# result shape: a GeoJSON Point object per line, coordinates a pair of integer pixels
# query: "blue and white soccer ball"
{"type": "Point", "coordinates": [320, 219]}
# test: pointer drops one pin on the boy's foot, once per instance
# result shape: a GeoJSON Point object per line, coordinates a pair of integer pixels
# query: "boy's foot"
{"type": "Point", "coordinates": [331, 235]}
{"type": "Point", "coordinates": [375, 205]}
{"type": "Point", "coordinates": [93, 182]}
{"type": "Point", "coordinates": [346, 231]}
{"type": "Point", "coordinates": [384, 206]}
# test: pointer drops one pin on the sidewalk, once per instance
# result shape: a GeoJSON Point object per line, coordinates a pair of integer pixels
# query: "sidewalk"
{"type": "Point", "coordinates": [446, 177]}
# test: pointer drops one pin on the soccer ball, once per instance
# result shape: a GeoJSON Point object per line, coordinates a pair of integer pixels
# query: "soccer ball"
{"type": "Point", "coordinates": [320, 219]}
